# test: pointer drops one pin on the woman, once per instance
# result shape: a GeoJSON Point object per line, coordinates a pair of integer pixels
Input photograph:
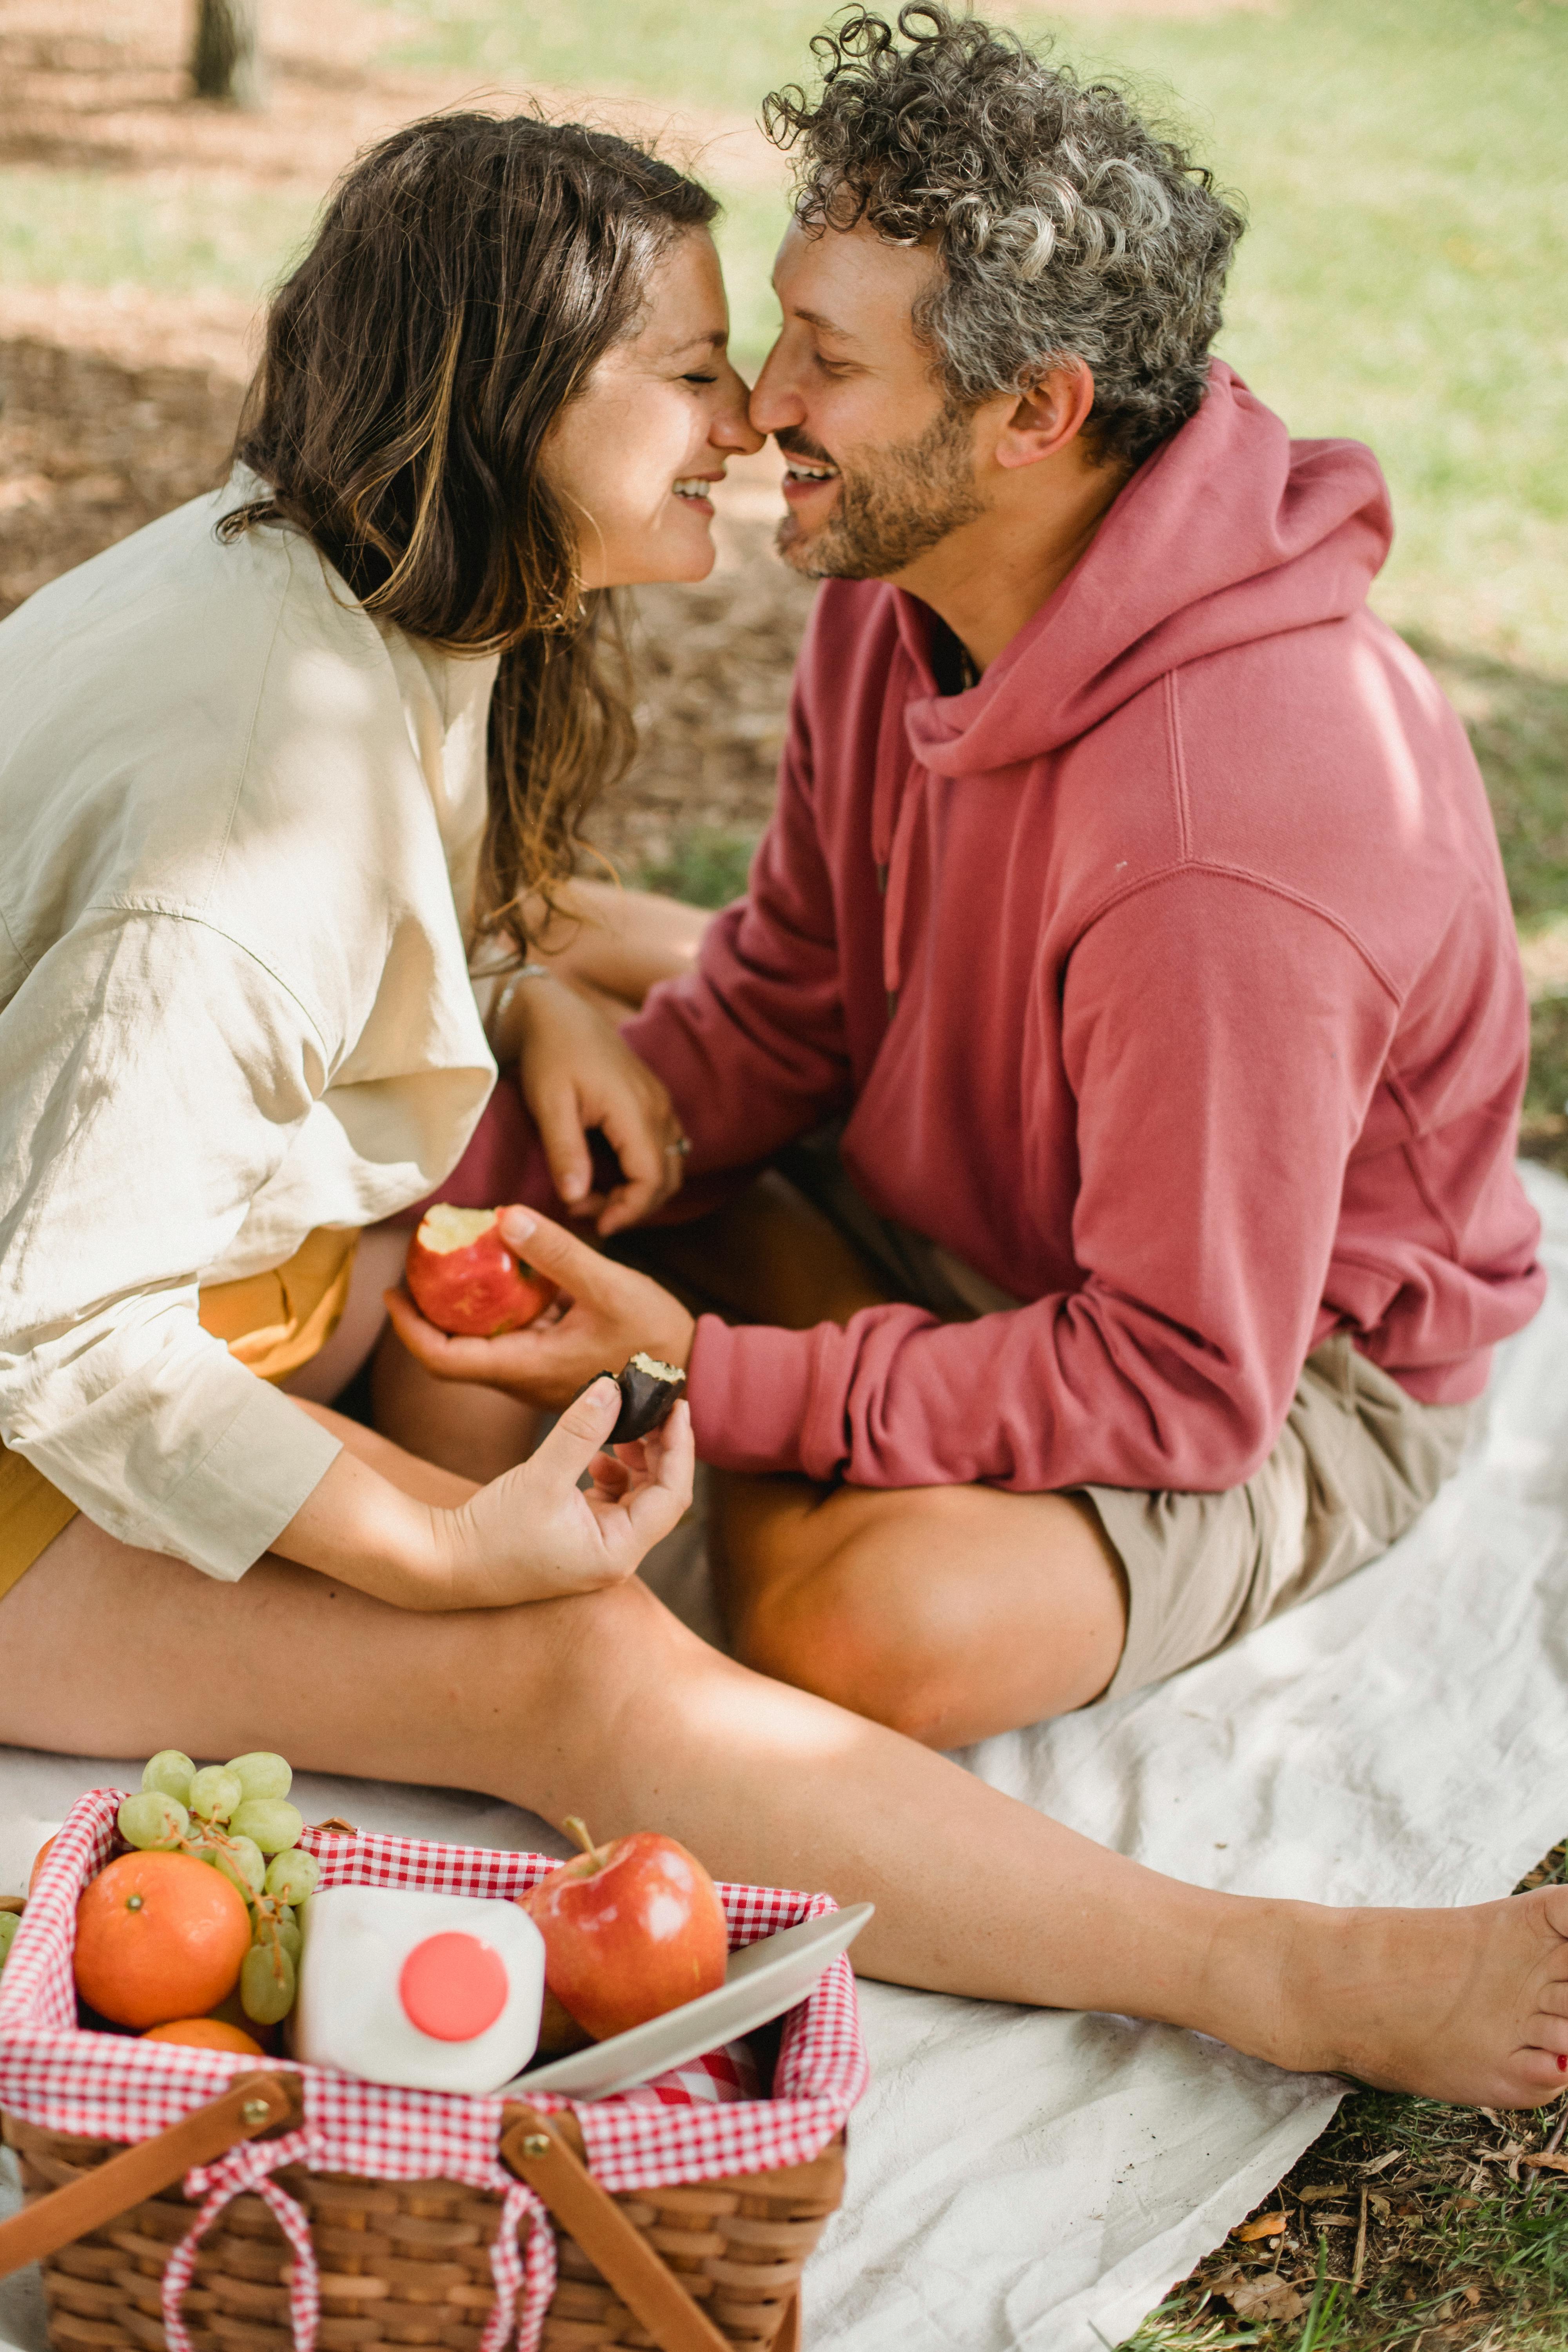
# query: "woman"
{"type": "Point", "coordinates": [247, 841]}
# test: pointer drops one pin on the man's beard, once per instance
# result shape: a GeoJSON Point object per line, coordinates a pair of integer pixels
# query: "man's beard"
{"type": "Point", "coordinates": [894, 507]}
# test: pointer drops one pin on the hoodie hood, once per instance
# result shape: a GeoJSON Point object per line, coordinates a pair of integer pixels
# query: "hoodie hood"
{"type": "Point", "coordinates": [1231, 533]}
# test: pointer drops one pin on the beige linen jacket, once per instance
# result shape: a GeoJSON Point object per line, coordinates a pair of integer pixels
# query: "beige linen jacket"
{"type": "Point", "coordinates": [239, 828]}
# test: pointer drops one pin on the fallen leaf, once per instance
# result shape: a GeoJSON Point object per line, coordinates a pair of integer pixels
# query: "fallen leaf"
{"type": "Point", "coordinates": [1380, 2206]}
{"type": "Point", "coordinates": [1268, 2225]}
{"type": "Point", "coordinates": [1268, 2298]}
{"type": "Point", "coordinates": [1381, 2164]}
{"type": "Point", "coordinates": [1544, 2163]}
{"type": "Point", "coordinates": [1321, 2189]}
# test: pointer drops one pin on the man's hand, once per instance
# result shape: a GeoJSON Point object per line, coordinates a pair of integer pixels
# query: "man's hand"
{"type": "Point", "coordinates": [575, 1074]}
{"type": "Point", "coordinates": [608, 1312]}
{"type": "Point", "coordinates": [533, 1534]}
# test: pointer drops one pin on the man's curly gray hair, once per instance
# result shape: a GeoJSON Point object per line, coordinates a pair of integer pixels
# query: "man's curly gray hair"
{"type": "Point", "coordinates": [1065, 227]}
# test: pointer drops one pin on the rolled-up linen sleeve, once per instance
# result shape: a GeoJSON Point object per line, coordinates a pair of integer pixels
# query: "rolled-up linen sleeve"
{"type": "Point", "coordinates": [153, 1076]}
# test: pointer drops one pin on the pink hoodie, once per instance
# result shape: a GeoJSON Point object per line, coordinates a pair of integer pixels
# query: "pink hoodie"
{"type": "Point", "coordinates": [1167, 976]}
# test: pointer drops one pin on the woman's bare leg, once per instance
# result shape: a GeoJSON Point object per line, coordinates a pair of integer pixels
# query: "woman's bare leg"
{"type": "Point", "coordinates": [475, 1432]}
{"type": "Point", "coordinates": [608, 1708]}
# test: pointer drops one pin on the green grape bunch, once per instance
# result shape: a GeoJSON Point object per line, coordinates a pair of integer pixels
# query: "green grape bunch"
{"type": "Point", "coordinates": [237, 1818]}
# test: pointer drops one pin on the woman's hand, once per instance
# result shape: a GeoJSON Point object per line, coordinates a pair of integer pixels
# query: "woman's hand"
{"type": "Point", "coordinates": [530, 1535]}
{"type": "Point", "coordinates": [576, 1073]}
{"type": "Point", "coordinates": [610, 1312]}
{"type": "Point", "coordinates": [534, 1535]}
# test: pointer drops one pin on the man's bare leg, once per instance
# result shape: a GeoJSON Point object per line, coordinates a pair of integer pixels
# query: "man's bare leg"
{"type": "Point", "coordinates": [607, 1707]}
{"type": "Point", "coordinates": [946, 1613]}
{"type": "Point", "coordinates": [475, 1431]}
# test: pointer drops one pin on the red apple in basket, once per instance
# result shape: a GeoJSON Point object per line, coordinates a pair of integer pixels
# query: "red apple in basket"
{"type": "Point", "coordinates": [631, 1929]}
{"type": "Point", "coordinates": [464, 1280]}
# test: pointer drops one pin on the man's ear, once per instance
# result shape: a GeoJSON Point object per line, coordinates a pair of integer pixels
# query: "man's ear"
{"type": "Point", "coordinates": [1047, 417]}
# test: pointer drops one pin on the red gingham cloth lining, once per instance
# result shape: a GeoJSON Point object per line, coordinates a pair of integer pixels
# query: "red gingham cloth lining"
{"type": "Point", "coordinates": [719, 2075]}
{"type": "Point", "coordinates": [115, 2087]}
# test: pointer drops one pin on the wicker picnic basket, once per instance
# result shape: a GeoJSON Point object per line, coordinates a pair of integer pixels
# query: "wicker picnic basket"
{"type": "Point", "coordinates": [284, 2208]}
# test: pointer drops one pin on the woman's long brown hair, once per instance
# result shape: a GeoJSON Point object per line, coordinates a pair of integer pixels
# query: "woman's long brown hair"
{"type": "Point", "coordinates": [468, 274]}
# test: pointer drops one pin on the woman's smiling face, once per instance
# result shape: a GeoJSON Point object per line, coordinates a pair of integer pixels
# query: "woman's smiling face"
{"type": "Point", "coordinates": [634, 456]}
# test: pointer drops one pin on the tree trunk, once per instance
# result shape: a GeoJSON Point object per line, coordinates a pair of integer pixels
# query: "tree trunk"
{"type": "Point", "coordinates": [224, 62]}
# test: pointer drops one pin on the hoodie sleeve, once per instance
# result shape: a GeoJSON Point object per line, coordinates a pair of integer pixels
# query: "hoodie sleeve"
{"type": "Point", "coordinates": [1223, 1042]}
{"type": "Point", "coordinates": [752, 1043]}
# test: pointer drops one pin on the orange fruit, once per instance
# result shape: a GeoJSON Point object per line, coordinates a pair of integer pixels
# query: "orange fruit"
{"type": "Point", "coordinates": [230, 2011]}
{"type": "Point", "coordinates": [159, 1937]}
{"type": "Point", "coordinates": [205, 2033]}
{"type": "Point", "coordinates": [38, 1861]}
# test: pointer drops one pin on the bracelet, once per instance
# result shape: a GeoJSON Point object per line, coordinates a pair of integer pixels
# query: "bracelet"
{"type": "Point", "coordinates": [502, 1005]}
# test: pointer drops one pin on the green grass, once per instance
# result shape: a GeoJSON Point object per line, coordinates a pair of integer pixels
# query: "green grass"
{"type": "Point", "coordinates": [1448, 2223]}
{"type": "Point", "coordinates": [720, 55]}
{"type": "Point", "coordinates": [706, 868]}
{"type": "Point", "coordinates": [1403, 275]}
{"type": "Point", "coordinates": [177, 233]}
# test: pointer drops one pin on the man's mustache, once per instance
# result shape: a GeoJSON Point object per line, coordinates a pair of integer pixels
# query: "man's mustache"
{"type": "Point", "coordinates": [795, 444]}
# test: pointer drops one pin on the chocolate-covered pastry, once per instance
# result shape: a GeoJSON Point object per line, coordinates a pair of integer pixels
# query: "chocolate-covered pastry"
{"type": "Point", "coordinates": [649, 1389]}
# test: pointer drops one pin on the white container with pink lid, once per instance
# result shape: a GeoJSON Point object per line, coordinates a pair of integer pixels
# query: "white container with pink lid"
{"type": "Point", "coordinates": [430, 1992]}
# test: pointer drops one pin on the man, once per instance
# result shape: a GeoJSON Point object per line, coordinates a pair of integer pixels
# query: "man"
{"type": "Point", "coordinates": [1127, 976]}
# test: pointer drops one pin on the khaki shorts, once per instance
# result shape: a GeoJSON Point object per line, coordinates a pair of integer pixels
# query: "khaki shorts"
{"type": "Point", "coordinates": [1356, 1464]}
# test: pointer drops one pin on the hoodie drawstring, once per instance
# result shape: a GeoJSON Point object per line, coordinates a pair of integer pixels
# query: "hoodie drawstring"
{"type": "Point", "coordinates": [896, 885]}
{"type": "Point", "coordinates": [895, 803]}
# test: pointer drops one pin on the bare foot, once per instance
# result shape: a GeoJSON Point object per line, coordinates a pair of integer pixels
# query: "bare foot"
{"type": "Point", "coordinates": [1469, 2005]}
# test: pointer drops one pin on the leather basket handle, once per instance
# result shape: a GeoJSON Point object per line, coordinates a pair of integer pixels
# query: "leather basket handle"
{"type": "Point", "coordinates": [537, 2149]}
{"type": "Point", "coordinates": [252, 2104]}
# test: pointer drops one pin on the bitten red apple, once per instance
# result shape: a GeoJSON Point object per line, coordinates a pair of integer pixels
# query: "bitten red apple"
{"type": "Point", "coordinates": [464, 1280]}
{"type": "Point", "coordinates": [631, 1929]}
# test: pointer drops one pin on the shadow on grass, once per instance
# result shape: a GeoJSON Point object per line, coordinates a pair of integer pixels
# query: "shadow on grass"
{"type": "Point", "coordinates": [1518, 722]}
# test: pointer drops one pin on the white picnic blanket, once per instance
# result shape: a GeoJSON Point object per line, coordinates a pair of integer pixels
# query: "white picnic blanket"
{"type": "Point", "coordinates": [1019, 2179]}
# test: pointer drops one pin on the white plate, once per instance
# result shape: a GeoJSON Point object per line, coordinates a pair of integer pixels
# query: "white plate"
{"type": "Point", "coordinates": [761, 1983]}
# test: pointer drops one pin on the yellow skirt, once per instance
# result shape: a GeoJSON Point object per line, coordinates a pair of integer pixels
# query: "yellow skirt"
{"type": "Point", "coordinates": [273, 1323]}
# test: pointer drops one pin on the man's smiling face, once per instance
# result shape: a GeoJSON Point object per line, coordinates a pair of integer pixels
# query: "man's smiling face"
{"type": "Point", "coordinates": [881, 464]}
